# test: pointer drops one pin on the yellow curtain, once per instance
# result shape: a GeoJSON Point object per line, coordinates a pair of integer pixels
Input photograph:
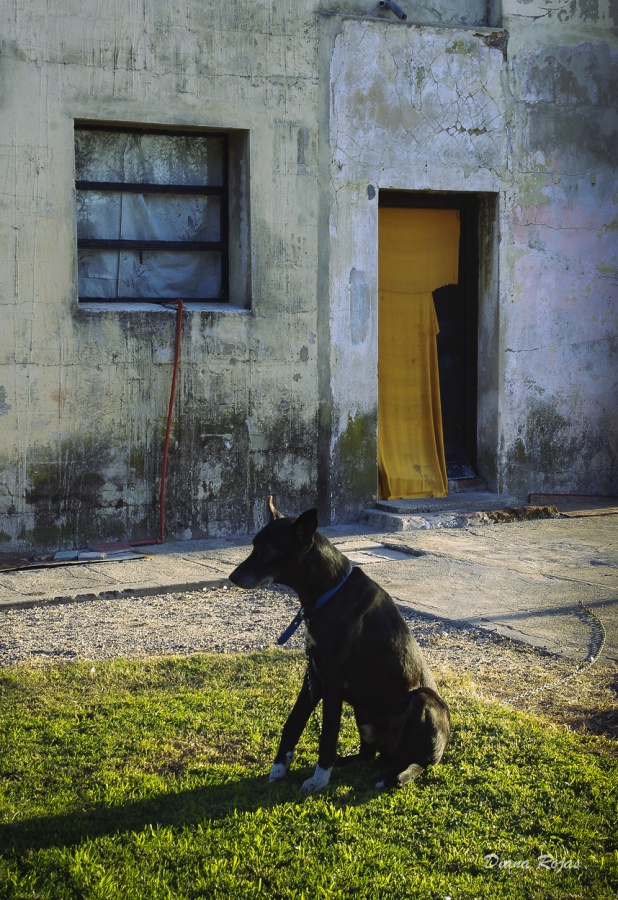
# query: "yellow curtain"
{"type": "Point", "coordinates": [418, 252]}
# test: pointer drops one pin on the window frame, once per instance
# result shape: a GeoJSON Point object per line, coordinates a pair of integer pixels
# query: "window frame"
{"type": "Point", "coordinates": [222, 246]}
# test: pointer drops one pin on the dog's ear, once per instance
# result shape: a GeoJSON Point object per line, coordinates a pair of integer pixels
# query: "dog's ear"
{"type": "Point", "coordinates": [305, 527]}
{"type": "Point", "coordinates": [274, 513]}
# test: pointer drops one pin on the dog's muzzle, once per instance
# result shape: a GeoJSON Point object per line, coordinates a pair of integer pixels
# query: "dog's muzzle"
{"type": "Point", "coordinates": [247, 580]}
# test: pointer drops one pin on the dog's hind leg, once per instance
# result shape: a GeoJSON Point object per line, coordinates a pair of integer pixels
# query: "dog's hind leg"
{"type": "Point", "coordinates": [306, 702]}
{"type": "Point", "coordinates": [423, 738]}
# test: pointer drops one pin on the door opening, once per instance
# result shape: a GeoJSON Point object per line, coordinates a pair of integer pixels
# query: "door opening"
{"type": "Point", "coordinates": [427, 346]}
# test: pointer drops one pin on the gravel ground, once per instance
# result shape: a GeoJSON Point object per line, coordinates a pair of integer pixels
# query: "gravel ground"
{"type": "Point", "coordinates": [233, 621]}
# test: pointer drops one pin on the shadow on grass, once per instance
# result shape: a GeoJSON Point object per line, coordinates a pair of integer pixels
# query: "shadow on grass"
{"type": "Point", "coordinates": [178, 809]}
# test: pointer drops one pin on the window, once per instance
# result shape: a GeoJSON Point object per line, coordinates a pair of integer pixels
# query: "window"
{"type": "Point", "coordinates": [152, 215]}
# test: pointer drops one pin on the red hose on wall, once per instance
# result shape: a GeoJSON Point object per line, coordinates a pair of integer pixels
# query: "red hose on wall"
{"type": "Point", "coordinates": [168, 429]}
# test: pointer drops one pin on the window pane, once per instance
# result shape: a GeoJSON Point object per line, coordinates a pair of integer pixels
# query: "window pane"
{"type": "Point", "coordinates": [97, 273]}
{"type": "Point", "coordinates": [190, 275]}
{"type": "Point", "coordinates": [98, 215]}
{"type": "Point", "coordinates": [183, 159]}
{"type": "Point", "coordinates": [170, 217]}
{"type": "Point", "coordinates": [147, 217]}
{"type": "Point", "coordinates": [148, 158]}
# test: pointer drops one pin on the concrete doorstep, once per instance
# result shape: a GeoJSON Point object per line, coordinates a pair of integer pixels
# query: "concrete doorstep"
{"type": "Point", "coordinates": [457, 510]}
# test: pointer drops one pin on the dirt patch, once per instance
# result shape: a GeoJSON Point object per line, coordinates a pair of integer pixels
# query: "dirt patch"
{"type": "Point", "coordinates": [502, 669]}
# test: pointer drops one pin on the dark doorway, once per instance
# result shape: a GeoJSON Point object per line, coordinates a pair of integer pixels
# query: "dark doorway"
{"type": "Point", "coordinates": [456, 308]}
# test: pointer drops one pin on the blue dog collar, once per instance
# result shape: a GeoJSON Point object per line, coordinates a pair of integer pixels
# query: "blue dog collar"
{"type": "Point", "coordinates": [289, 631]}
{"type": "Point", "coordinates": [298, 618]}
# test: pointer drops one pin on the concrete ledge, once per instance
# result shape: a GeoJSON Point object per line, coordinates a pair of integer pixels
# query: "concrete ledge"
{"type": "Point", "coordinates": [177, 587]}
{"type": "Point", "coordinates": [394, 521]}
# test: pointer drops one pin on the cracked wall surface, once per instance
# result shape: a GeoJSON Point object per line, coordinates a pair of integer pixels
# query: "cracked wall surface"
{"type": "Point", "coordinates": [431, 101]}
{"type": "Point", "coordinates": [512, 102]}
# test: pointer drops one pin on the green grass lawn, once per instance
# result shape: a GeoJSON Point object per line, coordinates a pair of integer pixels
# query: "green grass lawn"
{"type": "Point", "coordinates": [137, 779]}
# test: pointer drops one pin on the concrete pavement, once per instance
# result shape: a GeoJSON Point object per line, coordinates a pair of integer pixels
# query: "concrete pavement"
{"type": "Point", "coordinates": [524, 579]}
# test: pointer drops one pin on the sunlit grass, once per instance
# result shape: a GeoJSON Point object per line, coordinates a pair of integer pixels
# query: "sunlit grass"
{"type": "Point", "coordinates": [149, 780]}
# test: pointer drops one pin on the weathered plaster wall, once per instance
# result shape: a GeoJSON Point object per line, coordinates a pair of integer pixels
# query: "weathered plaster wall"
{"type": "Point", "coordinates": [85, 393]}
{"type": "Point", "coordinates": [530, 126]}
{"type": "Point", "coordinates": [282, 396]}
{"type": "Point", "coordinates": [560, 296]}
{"type": "Point", "coordinates": [425, 112]}
{"type": "Point", "coordinates": [426, 12]}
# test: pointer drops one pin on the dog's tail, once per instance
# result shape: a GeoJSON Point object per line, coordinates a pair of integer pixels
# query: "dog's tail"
{"type": "Point", "coordinates": [396, 779]}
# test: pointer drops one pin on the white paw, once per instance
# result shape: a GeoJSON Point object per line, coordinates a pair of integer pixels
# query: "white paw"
{"type": "Point", "coordinates": [280, 770]}
{"type": "Point", "coordinates": [320, 779]}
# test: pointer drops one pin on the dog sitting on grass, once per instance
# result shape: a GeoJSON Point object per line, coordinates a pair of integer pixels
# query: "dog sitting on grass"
{"type": "Point", "coordinates": [359, 650]}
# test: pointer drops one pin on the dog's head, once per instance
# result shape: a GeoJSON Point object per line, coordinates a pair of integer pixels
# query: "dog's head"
{"type": "Point", "coordinates": [277, 549]}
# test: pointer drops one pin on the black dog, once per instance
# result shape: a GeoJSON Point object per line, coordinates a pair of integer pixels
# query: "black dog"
{"type": "Point", "coordinates": [359, 651]}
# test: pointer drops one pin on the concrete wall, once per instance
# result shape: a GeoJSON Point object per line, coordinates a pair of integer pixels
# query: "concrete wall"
{"type": "Point", "coordinates": [86, 392]}
{"type": "Point", "coordinates": [426, 112]}
{"type": "Point", "coordinates": [525, 119]}
{"type": "Point", "coordinates": [559, 321]}
{"type": "Point", "coordinates": [282, 395]}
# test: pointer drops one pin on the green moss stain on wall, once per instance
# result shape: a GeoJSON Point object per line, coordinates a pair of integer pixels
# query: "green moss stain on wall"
{"type": "Point", "coordinates": [354, 477]}
{"type": "Point", "coordinates": [549, 451]}
{"type": "Point", "coordinates": [78, 490]}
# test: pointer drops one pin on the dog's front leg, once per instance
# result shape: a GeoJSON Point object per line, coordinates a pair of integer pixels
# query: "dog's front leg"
{"type": "Point", "coordinates": [306, 702]}
{"type": "Point", "coordinates": [331, 723]}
